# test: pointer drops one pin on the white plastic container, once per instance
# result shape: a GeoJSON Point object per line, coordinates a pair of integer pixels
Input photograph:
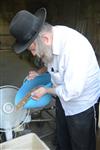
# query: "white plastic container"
{"type": "Point", "coordinates": [26, 142]}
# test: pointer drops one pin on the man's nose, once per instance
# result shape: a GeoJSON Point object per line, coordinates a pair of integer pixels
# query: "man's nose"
{"type": "Point", "coordinates": [33, 53]}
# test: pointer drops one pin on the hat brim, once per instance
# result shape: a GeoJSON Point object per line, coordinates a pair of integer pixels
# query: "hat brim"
{"type": "Point", "coordinates": [20, 47]}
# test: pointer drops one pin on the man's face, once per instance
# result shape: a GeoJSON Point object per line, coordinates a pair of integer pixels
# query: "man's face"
{"type": "Point", "coordinates": [32, 48]}
{"type": "Point", "coordinates": [39, 48]}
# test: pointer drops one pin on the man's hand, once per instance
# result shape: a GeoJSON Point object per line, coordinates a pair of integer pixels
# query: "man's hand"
{"type": "Point", "coordinates": [32, 75]}
{"type": "Point", "coordinates": [38, 93]}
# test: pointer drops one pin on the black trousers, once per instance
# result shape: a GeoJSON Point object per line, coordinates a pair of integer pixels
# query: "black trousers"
{"type": "Point", "coordinates": [76, 132]}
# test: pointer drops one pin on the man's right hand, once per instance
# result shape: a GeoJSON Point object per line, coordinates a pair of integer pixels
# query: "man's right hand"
{"type": "Point", "coordinates": [32, 75]}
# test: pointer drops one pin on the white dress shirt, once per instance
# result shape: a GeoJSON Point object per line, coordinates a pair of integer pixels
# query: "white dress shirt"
{"type": "Point", "coordinates": [74, 70]}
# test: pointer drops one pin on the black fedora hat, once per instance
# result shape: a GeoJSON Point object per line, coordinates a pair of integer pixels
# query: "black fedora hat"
{"type": "Point", "coordinates": [25, 27]}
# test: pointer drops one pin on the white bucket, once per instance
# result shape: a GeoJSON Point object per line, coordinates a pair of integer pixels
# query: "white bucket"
{"type": "Point", "coordinates": [9, 117]}
{"type": "Point", "coordinates": [26, 142]}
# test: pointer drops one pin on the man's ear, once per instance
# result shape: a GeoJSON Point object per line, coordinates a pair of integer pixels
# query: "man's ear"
{"type": "Point", "coordinates": [46, 38]}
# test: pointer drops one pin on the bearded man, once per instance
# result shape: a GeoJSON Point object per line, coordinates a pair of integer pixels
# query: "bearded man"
{"type": "Point", "coordinates": [75, 74]}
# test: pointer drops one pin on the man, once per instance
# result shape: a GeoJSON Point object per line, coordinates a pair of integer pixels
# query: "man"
{"type": "Point", "coordinates": [71, 61]}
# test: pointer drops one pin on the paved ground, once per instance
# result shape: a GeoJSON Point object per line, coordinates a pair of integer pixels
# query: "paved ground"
{"type": "Point", "coordinates": [12, 72]}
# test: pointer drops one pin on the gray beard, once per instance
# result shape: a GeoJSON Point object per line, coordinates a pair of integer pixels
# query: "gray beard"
{"type": "Point", "coordinates": [48, 56]}
{"type": "Point", "coordinates": [44, 52]}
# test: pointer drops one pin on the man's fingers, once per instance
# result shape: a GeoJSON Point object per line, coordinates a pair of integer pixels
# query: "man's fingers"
{"type": "Point", "coordinates": [32, 75]}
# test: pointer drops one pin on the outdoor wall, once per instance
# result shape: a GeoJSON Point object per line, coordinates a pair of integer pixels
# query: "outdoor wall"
{"type": "Point", "coordinates": [83, 16]}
